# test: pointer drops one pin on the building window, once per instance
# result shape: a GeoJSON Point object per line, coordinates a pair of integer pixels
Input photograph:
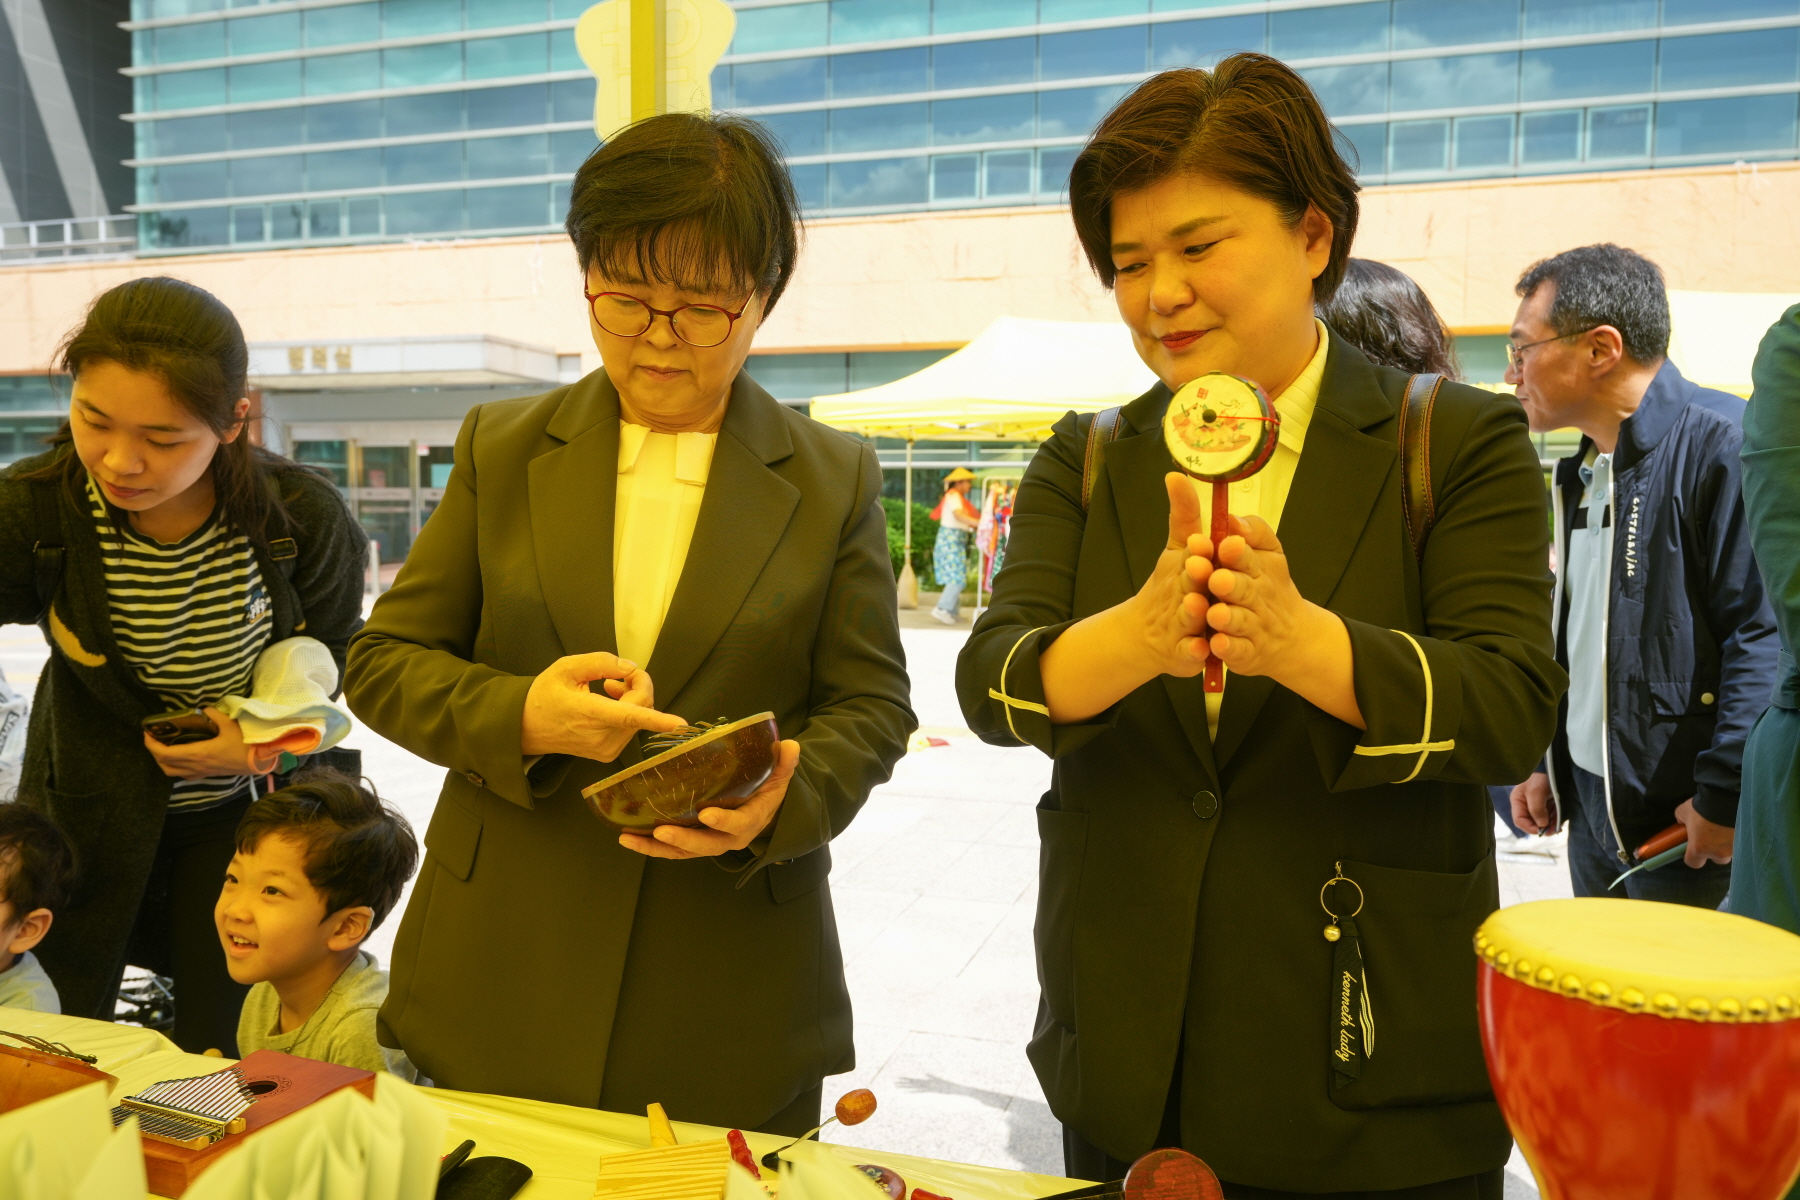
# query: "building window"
{"type": "Point", "coordinates": [879, 127]}
{"type": "Point", "coordinates": [509, 157]}
{"type": "Point", "coordinates": [1484, 142]}
{"type": "Point", "coordinates": [362, 216]}
{"type": "Point", "coordinates": [1203, 43]}
{"type": "Point", "coordinates": [878, 20]}
{"type": "Point", "coordinates": [1323, 32]}
{"type": "Point", "coordinates": [187, 89]}
{"type": "Point", "coordinates": [324, 218]}
{"type": "Point", "coordinates": [1054, 164]}
{"type": "Point", "coordinates": [274, 175]}
{"type": "Point", "coordinates": [1560, 18]}
{"type": "Point", "coordinates": [785, 27]}
{"type": "Point", "coordinates": [785, 81]}
{"type": "Point", "coordinates": [1418, 145]}
{"type": "Point", "coordinates": [1608, 69]}
{"type": "Point", "coordinates": [1419, 24]}
{"type": "Point", "coordinates": [421, 66]}
{"type": "Point", "coordinates": [264, 81]}
{"type": "Point", "coordinates": [878, 182]}
{"type": "Point", "coordinates": [425, 212]}
{"type": "Point", "coordinates": [1729, 59]}
{"type": "Point", "coordinates": [802, 133]}
{"type": "Point", "coordinates": [332, 73]}
{"type": "Point", "coordinates": [1119, 51]}
{"type": "Point", "coordinates": [984, 64]}
{"type": "Point", "coordinates": [508, 107]}
{"type": "Point", "coordinates": [970, 16]}
{"type": "Point", "coordinates": [343, 24]}
{"type": "Point", "coordinates": [247, 224]}
{"type": "Point", "coordinates": [346, 121]}
{"type": "Point", "coordinates": [1007, 173]}
{"type": "Point", "coordinates": [1368, 147]}
{"type": "Point", "coordinates": [331, 457]}
{"type": "Point", "coordinates": [523, 206]}
{"type": "Point", "coordinates": [521, 54]}
{"type": "Point", "coordinates": [1462, 79]}
{"type": "Point", "coordinates": [880, 72]}
{"type": "Point", "coordinates": [1006, 118]}
{"type": "Point", "coordinates": [1732, 125]}
{"type": "Point", "coordinates": [265, 35]}
{"type": "Point", "coordinates": [956, 177]}
{"type": "Point", "coordinates": [424, 162]}
{"type": "Point", "coordinates": [1074, 112]}
{"type": "Point", "coordinates": [1356, 90]}
{"type": "Point", "coordinates": [1550, 137]}
{"type": "Point", "coordinates": [1620, 131]}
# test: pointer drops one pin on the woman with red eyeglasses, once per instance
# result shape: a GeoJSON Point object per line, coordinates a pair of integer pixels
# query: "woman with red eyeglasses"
{"type": "Point", "coordinates": [660, 543]}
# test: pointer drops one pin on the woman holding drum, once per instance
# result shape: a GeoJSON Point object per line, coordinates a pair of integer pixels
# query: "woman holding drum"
{"type": "Point", "coordinates": [1256, 903]}
{"type": "Point", "coordinates": [659, 538]}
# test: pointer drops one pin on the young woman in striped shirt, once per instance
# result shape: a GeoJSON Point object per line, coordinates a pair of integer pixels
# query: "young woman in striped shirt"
{"type": "Point", "coordinates": [161, 552]}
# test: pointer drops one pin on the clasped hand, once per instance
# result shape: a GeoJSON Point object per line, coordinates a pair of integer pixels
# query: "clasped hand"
{"type": "Point", "coordinates": [1246, 610]}
{"type": "Point", "coordinates": [564, 716]}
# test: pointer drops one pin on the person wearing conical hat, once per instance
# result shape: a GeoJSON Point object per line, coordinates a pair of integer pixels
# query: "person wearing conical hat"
{"type": "Point", "coordinates": [957, 519]}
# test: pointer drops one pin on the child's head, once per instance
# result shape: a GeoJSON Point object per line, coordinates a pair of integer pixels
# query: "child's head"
{"type": "Point", "coordinates": [37, 877]}
{"type": "Point", "coordinates": [319, 864]}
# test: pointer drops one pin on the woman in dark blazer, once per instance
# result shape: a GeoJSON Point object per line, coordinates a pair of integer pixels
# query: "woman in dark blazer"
{"type": "Point", "coordinates": [666, 531]}
{"type": "Point", "coordinates": [1189, 993]}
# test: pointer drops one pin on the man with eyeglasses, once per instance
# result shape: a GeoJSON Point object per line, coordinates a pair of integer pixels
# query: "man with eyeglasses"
{"type": "Point", "coordinates": [1661, 619]}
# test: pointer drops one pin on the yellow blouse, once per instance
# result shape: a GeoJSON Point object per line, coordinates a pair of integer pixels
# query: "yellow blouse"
{"type": "Point", "coordinates": [662, 479]}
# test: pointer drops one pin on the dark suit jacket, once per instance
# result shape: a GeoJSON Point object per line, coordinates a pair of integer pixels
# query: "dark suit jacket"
{"type": "Point", "coordinates": [1179, 907]}
{"type": "Point", "coordinates": [537, 957]}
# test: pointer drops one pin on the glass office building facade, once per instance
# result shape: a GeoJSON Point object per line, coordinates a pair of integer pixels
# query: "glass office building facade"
{"type": "Point", "coordinates": [311, 121]}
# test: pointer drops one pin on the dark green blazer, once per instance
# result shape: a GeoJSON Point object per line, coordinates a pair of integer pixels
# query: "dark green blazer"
{"type": "Point", "coordinates": [538, 957]}
{"type": "Point", "coordinates": [85, 762]}
{"type": "Point", "coordinates": [1179, 905]}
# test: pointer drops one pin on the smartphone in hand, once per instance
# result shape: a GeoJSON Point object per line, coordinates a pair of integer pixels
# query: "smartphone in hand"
{"type": "Point", "coordinates": [180, 728]}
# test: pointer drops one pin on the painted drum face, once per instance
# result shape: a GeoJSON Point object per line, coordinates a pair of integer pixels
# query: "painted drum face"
{"type": "Point", "coordinates": [1220, 428]}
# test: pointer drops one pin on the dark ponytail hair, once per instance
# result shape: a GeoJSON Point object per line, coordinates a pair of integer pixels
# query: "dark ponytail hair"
{"type": "Point", "coordinates": [186, 337]}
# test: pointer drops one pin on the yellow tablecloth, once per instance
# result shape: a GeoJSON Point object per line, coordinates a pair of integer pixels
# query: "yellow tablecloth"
{"type": "Point", "coordinates": [561, 1144]}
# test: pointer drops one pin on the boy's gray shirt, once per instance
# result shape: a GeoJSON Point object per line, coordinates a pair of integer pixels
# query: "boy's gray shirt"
{"type": "Point", "coordinates": [25, 985]}
{"type": "Point", "coordinates": [341, 1030]}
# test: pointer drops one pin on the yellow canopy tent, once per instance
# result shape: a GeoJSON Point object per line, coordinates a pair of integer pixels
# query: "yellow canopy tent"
{"type": "Point", "coordinates": [1012, 383]}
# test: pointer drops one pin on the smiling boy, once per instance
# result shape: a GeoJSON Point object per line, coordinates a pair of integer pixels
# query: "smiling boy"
{"type": "Point", "coordinates": [319, 864]}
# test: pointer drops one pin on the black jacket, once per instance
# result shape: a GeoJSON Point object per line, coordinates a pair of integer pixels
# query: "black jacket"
{"type": "Point", "coordinates": [1690, 642]}
{"type": "Point", "coordinates": [1178, 907]}
{"type": "Point", "coordinates": [85, 762]}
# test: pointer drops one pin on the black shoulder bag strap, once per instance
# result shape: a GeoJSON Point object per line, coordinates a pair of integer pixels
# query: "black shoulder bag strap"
{"type": "Point", "coordinates": [1415, 459]}
{"type": "Point", "coordinates": [1101, 430]}
{"type": "Point", "coordinates": [47, 552]}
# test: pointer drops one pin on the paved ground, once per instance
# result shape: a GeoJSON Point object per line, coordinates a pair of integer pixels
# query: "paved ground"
{"type": "Point", "coordinates": [935, 886]}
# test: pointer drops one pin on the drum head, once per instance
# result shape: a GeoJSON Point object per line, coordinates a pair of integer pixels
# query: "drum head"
{"type": "Point", "coordinates": [1641, 956]}
{"type": "Point", "coordinates": [1220, 428]}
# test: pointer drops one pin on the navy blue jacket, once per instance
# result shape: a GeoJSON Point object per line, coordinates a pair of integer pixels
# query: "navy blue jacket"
{"type": "Point", "coordinates": [1690, 642]}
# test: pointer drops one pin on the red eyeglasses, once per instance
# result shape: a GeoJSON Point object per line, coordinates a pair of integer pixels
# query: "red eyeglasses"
{"type": "Point", "coordinates": [700, 325]}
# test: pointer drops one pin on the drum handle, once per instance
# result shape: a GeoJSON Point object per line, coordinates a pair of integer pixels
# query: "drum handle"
{"type": "Point", "coordinates": [1668, 839]}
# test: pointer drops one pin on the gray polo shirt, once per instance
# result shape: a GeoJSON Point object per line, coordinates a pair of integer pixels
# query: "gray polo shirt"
{"type": "Point", "coordinates": [1588, 576]}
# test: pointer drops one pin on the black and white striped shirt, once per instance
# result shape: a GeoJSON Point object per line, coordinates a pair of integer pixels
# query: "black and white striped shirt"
{"type": "Point", "coordinates": [190, 618]}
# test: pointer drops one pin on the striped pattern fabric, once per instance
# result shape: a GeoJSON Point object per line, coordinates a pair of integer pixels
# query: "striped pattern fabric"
{"type": "Point", "coordinates": [190, 617]}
